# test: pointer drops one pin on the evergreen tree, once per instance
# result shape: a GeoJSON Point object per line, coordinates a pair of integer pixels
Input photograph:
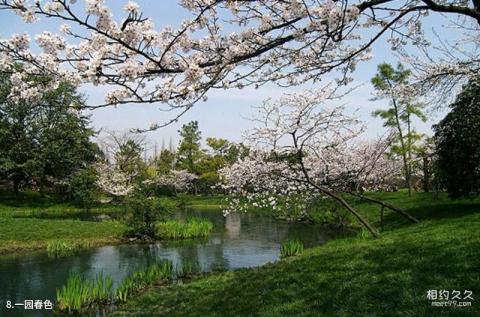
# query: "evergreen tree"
{"type": "Point", "coordinates": [457, 139]}
{"type": "Point", "coordinates": [189, 148]}
{"type": "Point", "coordinates": [389, 83]}
{"type": "Point", "coordinates": [43, 141]}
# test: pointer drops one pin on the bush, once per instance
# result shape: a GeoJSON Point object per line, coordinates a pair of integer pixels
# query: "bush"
{"type": "Point", "coordinates": [141, 215]}
{"type": "Point", "coordinates": [84, 189]}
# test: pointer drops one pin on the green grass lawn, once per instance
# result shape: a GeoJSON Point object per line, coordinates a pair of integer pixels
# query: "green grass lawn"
{"type": "Point", "coordinates": [202, 201]}
{"type": "Point", "coordinates": [347, 277]}
{"type": "Point", "coordinates": [31, 220]}
{"type": "Point", "coordinates": [21, 234]}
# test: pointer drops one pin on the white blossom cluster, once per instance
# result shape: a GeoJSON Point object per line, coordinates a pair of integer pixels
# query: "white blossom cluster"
{"type": "Point", "coordinates": [181, 180]}
{"type": "Point", "coordinates": [114, 181]}
{"type": "Point", "coordinates": [178, 66]}
{"type": "Point", "coordinates": [288, 42]}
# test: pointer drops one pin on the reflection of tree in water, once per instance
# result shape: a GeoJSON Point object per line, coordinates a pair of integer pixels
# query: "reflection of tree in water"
{"type": "Point", "coordinates": [188, 254]}
{"type": "Point", "coordinates": [262, 229]}
{"type": "Point", "coordinates": [310, 235]}
{"type": "Point", "coordinates": [233, 224]}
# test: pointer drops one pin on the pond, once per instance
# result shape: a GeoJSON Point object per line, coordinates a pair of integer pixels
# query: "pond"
{"type": "Point", "coordinates": [239, 240]}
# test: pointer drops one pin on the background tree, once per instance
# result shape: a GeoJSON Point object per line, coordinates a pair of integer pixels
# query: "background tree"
{"type": "Point", "coordinates": [457, 139]}
{"type": "Point", "coordinates": [45, 141]}
{"type": "Point", "coordinates": [228, 151]}
{"type": "Point", "coordinates": [165, 161]}
{"type": "Point", "coordinates": [426, 164]}
{"type": "Point", "coordinates": [123, 169]}
{"type": "Point", "coordinates": [189, 152]}
{"type": "Point", "coordinates": [393, 84]}
{"type": "Point", "coordinates": [128, 159]}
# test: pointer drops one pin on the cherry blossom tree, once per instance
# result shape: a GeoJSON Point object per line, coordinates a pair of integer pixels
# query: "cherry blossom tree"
{"type": "Point", "coordinates": [303, 149]}
{"type": "Point", "coordinates": [285, 42]}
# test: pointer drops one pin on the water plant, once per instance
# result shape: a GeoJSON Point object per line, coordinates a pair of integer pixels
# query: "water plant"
{"type": "Point", "coordinates": [61, 248]}
{"type": "Point", "coordinates": [140, 279]}
{"type": "Point", "coordinates": [75, 294]}
{"type": "Point", "coordinates": [191, 228]}
{"type": "Point", "coordinates": [79, 292]}
{"type": "Point", "coordinates": [101, 288]}
{"type": "Point", "coordinates": [187, 269]}
{"type": "Point", "coordinates": [154, 272]}
{"type": "Point", "coordinates": [291, 248]}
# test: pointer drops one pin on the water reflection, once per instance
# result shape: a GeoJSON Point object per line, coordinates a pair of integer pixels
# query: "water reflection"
{"type": "Point", "coordinates": [238, 241]}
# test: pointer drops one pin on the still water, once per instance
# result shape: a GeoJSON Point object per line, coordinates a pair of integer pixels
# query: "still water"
{"type": "Point", "coordinates": [238, 241]}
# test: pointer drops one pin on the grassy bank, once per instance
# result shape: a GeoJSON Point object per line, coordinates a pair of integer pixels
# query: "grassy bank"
{"type": "Point", "coordinates": [200, 201]}
{"type": "Point", "coordinates": [31, 221]}
{"type": "Point", "coordinates": [22, 234]}
{"type": "Point", "coordinates": [347, 277]}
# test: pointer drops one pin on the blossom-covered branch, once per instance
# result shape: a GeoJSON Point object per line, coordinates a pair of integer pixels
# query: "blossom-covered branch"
{"type": "Point", "coordinates": [286, 42]}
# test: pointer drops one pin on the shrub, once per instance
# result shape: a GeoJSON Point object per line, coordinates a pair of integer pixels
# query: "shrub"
{"type": "Point", "coordinates": [192, 228]}
{"type": "Point", "coordinates": [141, 215]}
{"type": "Point", "coordinates": [291, 248]}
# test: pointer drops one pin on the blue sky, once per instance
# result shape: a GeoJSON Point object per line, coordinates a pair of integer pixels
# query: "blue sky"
{"type": "Point", "coordinates": [225, 113]}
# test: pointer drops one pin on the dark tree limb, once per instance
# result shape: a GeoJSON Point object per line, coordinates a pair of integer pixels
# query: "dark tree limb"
{"type": "Point", "coordinates": [373, 231]}
{"type": "Point", "coordinates": [387, 205]}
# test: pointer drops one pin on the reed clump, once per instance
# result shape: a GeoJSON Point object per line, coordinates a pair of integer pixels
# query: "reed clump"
{"type": "Point", "coordinates": [189, 229]}
{"type": "Point", "coordinates": [62, 248]}
{"type": "Point", "coordinates": [291, 248]}
{"type": "Point", "coordinates": [138, 280]}
{"type": "Point", "coordinates": [80, 294]}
